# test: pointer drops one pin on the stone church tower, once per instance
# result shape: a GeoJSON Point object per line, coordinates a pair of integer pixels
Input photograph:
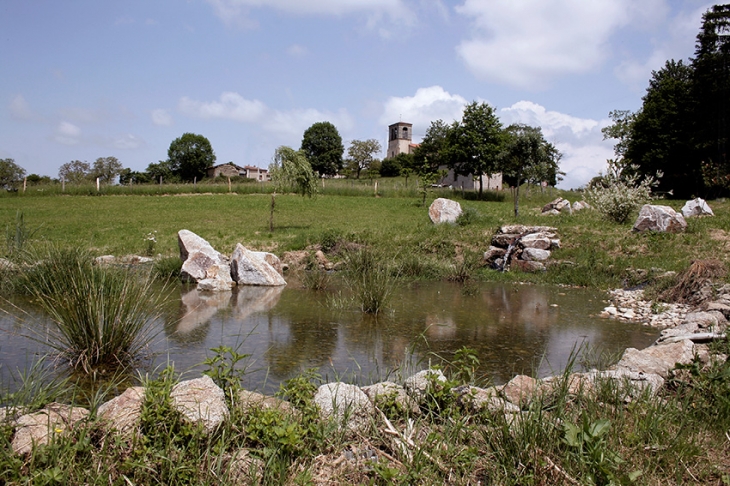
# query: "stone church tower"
{"type": "Point", "coordinates": [399, 139]}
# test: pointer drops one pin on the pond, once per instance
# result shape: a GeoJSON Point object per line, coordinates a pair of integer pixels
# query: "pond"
{"type": "Point", "coordinates": [514, 328]}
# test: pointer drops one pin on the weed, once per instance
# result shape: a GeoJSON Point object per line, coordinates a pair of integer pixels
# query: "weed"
{"type": "Point", "coordinates": [369, 277]}
{"type": "Point", "coordinates": [221, 367]}
{"type": "Point", "coordinates": [465, 365]}
{"type": "Point", "coordinates": [18, 236]}
{"type": "Point", "coordinates": [167, 268]}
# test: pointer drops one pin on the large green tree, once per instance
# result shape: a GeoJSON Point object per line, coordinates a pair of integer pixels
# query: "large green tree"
{"type": "Point", "coordinates": [10, 173]}
{"type": "Point", "coordinates": [661, 132]}
{"type": "Point", "coordinates": [74, 172]}
{"type": "Point", "coordinates": [474, 144]}
{"type": "Point", "coordinates": [361, 154]}
{"type": "Point", "coordinates": [527, 157]}
{"type": "Point", "coordinates": [189, 156]}
{"type": "Point", "coordinates": [322, 145]}
{"type": "Point", "coordinates": [106, 169]}
{"type": "Point", "coordinates": [291, 171]}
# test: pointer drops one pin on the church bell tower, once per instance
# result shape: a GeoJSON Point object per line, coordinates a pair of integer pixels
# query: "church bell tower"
{"type": "Point", "coordinates": [399, 138]}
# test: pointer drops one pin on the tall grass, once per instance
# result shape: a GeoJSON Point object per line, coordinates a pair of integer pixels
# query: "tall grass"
{"type": "Point", "coordinates": [102, 315]}
{"type": "Point", "coordinates": [369, 276]}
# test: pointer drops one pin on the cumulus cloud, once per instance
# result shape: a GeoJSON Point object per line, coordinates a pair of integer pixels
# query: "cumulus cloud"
{"type": "Point", "coordinates": [426, 105]}
{"type": "Point", "coordinates": [529, 43]}
{"type": "Point", "coordinates": [126, 142]}
{"type": "Point", "coordinates": [288, 126]}
{"type": "Point", "coordinates": [579, 139]}
{"type": "Point", "coordinates": [20, 110]}
{"type": "Point", "coordinates": [161, 117]}
{"type": "Point", "coordinates": [230, 106]}
{"type": "Point", "coordinates": [238, 12]}
{"type": "Point", "coordinates": [297, 51]}
{"type": "Point", "coordinates": [67, 133]}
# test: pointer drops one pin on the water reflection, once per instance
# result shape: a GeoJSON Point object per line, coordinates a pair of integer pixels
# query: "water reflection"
{"type": "Point", "coordinates": [514, 328]}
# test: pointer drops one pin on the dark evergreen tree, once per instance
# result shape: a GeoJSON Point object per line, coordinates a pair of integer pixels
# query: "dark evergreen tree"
{"type": "Point", "coordinates": [661, 133]}
{"type": "Point", "coordinates": [190, 156]}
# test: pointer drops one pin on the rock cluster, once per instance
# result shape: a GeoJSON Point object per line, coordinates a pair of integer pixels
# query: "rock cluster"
{"type": "Point", "coordinates": [213, 271]}
{"type": "Point", "coordinates": [525, 247]}
{"type": "Point", "coordinates": [355, 410]}
{"type": "Point", "coordinates": [562, 205]}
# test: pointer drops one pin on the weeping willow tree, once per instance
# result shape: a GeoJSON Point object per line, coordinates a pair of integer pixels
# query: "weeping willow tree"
{"type": "Point", "coordinates": [291, 172]}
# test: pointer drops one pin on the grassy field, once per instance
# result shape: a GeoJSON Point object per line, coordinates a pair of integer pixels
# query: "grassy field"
{"type": "Point", "coordinates": [595, 252]}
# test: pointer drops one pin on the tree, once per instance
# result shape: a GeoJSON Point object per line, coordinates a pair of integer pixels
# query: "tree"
{"type": "Point", "coordinates": [394, 166]}
{"type": "Point", "coordinates": [360, 154]}
{"type": "Point", "coordinates": [322, 146]}
{"type": "Point", "coordinates": [129, 176]}
{"type": "Point", "coordinates": [473, 145]}
{"type": "Point", "coordinates": [35, 179]}
{"type": "Point", "coordinates": [74, 172]}
{"type": "Point", "coordinates": [106, 169]}
{"type": "Point", "coordinates": [10, 173]}
{"type": "Point", "coordinates": [431, 153]}
{"type": "Point", "coordinates": [190, 156]}
{"type": "Point", "coordinates": [710, 92]}
{"type": "Point", "coordinates": [291, 171]}
{"type": "Point", "coordinates": [661, 133]}
{"type": "Point", "coordinates": [621, 131]}
{"type": "Point", "coordinates": [163, 169]}
{"type": "Point", "coordinates": [528, 157]}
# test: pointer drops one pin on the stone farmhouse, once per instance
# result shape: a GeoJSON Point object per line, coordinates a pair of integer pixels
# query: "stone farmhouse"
{"type": "Point", "coordinates": [232, 170]}
{"type": "Point", "coordinates": [400, 141]}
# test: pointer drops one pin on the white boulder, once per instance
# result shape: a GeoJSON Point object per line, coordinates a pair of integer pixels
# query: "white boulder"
{"type": "Point", "coordinates": [662, 219]}
{"type": "Point", "coordinates": [444, 210]}
{"type": "Point", "coordinates": [249, 269]}
{"type": "Point", "coordinates": [696, 207]}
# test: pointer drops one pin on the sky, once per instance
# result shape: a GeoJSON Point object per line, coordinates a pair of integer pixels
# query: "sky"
{"type": "Point", "coordinates": [83, 79]}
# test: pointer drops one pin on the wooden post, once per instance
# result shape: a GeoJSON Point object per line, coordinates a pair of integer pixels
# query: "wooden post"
{"type": "Point", "coordinates": [25, 183]}
{"type": "Point", "coordinates": [97, 184]}
{"type": "Point", "coordinates": [376, 188]}
{"type": "Point", "coordinates": [160, 180]}
{"type": "Point", "coordinates": [195, 181]}
{"type": "Point", "coordinates": [229, 183]}
{"type": "Point", "coordinates": [63, 185]}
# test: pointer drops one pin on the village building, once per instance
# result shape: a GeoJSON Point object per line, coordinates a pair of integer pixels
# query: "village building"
{"type": "Point", "coordinates": [232, 170]}
{"type": "Point", "coordinates": [400, 141]}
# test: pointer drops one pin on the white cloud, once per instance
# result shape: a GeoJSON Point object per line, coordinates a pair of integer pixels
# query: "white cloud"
{"type": "Point", "coordinates": [126, 142]}
{"type": "Point", "coordinates": [161, 117]}
{"type": "Point", "coordinates": [231, 106]}
{"type": "Point", "coordinates": [579, 139]}
{"type": "Point", "coordinates": [67, 133]}
{"type": "Point", "coordinates": [427, 105]}
{"type": "Point", "coordinates": [20, 110]}
{"type": "Point", "coordinates": [297, 51]}
{"type": "Point", "coordinates": [526, 44]}
{"type": "Point", "coordinates": [287, 126]}
{"type": "Point", "coordinates": [237, 12]}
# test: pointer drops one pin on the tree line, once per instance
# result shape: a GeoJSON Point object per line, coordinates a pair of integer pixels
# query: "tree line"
{"type": "Point", "coordinates": [681, 129]}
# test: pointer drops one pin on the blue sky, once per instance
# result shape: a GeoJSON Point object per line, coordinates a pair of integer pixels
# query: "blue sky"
{"type": "Point", "coordinates": [83, 79]}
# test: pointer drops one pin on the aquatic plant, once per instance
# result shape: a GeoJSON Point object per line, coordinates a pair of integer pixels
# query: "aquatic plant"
{"type": "Point", "coordinates": [369, 277]}
{"type": "Point", "coordinates": [101, 314]}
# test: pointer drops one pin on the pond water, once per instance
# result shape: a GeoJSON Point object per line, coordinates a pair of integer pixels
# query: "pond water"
{"type": "Point", "coordinates": [514, 329]}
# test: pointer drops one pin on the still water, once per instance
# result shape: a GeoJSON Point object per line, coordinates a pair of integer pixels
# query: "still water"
{"type": "Point", "coordinates": [514, 329]}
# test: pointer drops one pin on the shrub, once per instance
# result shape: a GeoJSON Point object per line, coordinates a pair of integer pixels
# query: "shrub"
{"type": "Point", "coordinates": [102, 315]}
{"type": "Point", "coordinates": [620, 192]}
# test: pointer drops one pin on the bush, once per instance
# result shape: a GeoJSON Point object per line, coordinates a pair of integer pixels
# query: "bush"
{"type": "Point", "coordinates": [620, 193]}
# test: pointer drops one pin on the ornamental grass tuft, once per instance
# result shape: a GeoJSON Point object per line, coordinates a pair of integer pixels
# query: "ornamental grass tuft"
{"type": "Point", "coordinates": [102, 315]}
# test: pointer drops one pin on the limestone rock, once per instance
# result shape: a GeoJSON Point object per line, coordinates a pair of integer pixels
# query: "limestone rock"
{"type": "Point", "coordinates": [540, 241]}
{"type": "Point", "coordinates": [418, 385]}
{"type": "Point", "coordinates": [535, 255]}
{"type": "Point", "coordinates": [271, 259]}
{"type": "Point", "coordinates": [521, 229]}
{"type": "Point", "coordinates": [347, 404]}
{"type": "Point", "coordinates": [528, 266]}
{"type": "Point", "coordinates": [559, 205]}
{"type": "Point", "coordinates": [200, 401]}
{"type": "Point", "coordinates": [657, 359]}
{"type": "Point", "coordinates": [387, 390]}
{"type": "Point", "coordinates": [249, 400]}
{"type": "Point", "coordinates": [122, 413]}
{"type": "Point", "coordinates": [217, 278]}
{"type": "Point", "coordinates": [662, 219]}
{"type": "Point", "coordinates": [248, 269]}
{"type": "Point", "coordinates": [197, 256]}
{"type": "Point", "coordinates": [475, 399]}
{"type": "Point", "coordinates": [520, 390]}
{"type": "Point", "coordinates": [696, 207]}
{"type": "Point", "coordinates": [38, 428]}
{"type": "Point", "coordinates": [580, 205]}
{"type": "Point", "coordinates": [503, 240]}
{"type": "Point", "coordinates": [444, 210]}
{"type": "Point", "coordinates": [492, 253]}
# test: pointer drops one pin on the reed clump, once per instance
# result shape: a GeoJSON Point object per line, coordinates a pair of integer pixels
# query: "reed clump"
{"type": "Point", "coordinates": [102, 315]}
{"type": "Point", "coordinates": [370, 278]}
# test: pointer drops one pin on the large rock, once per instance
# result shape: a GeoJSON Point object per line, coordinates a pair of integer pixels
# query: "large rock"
{"type": "Point", "coordinates": [249, 269]}
{"type": "Point", "coordinates": [271, 259]}
{"type": "Point", "coordinates": [540, 241]}
{"type": "Point", "coordinates": [444, 211]}
{"type": "Point", "coordinates": [477, 400]}
{"type": "Point", "coordinates": [249, 401]}
{"type": "Point", "coordinates": [387, 391]}
{"type": "Point", "coordinates": [580, 205]}
{"type": "Point", "coordinates": [347, 404]}
{"type": "Point", "coordinates": [535, 255]}
{"type": "Point", "coordinates": [38, 428]}
{"type": "Point", "coordinates": [122, 413]}
{"type": "Point", "coordinates": [419, 384]}
{"type": "Point", "coordinates": [520, 390]}
{"type": "Point", "coordinates": [197, 256]}
{"type": "Point", "coordinates": [662, 219]}
{"type": "Point", "coordinates": [657, 359]}
{"type": "Point", "coordinates": [200, 401]}
{"type": "Point", "coordinates": [217, 278]}
{"type": "Point", "coordinates": [696, 207]}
